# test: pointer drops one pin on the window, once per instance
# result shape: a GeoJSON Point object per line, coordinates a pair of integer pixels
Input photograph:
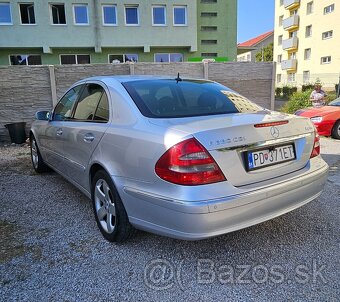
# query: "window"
{"type": "Point", "coordinates": [88, 102]}
{"type": "Point", "coordinates": [74, 59]}
{"type": "Point", "coordinates": [131, 15]}
{"type": "Point", "coordinates": [328, 9]}
{"type": "Point", "coordinates": [292, 56]}
{"type": "Point", "coordinates": [279, 40]}
{"type": "Point", "coordinates": [310, 7]}
{"type": "Point", "coordinates": [294, 12]}
{"type": "Point", "coordinates": [293, 34]}
{"type": "Point", "coordinates": [58, 14]}
{"type": "Point", "coordinates": [279, 59]}
{"type": "Point", "coordinates": [248, 57]}
{"type": "Point", "coordinates": [25, 59]}
{"type": "Point", "coordinates": [208, 1]}
{"type": "Point", "coordinates": [180, 15]}
{"type": "Point", "coordinates": [173, 99]}
{"type": "Point", "coordinates": [102, 113]}
{"type": "Point", "coordinates": [158, 15]}
{"type": "Point", "coordinates": [209, 54]}
{"type": "Point", "coordinates": [280, 20]}
{"type": "Point", "coordinates": [327, 35]}
{"type": "Point", "coordinates": [80, 14]}
{"type": "Point", "coordinates": [63, 110]}
{"type": "Point", "coordinates": [281, 2]}
{"type": "Point", "coordinates": [279, 78]}
{"type": "Point", "coordinates": [109, 14]}
{"type": "Point", "coordinates": [205, 14]}
{"type": "Point", "coordinates": [123, 58]}
{"type": "Point", "coordinates": [306, 76]}
{"type": "Point", "coordinates": [291, 77]}
{"type": "Point", "coordinates": [168, 57]}
{"type": "Point", "coordinates": [27, 13]}
{"type": "Point", "coordinates": [208, 42]}
{"type": "Point", "coordinates": [308, 31]}
{"type": "Point", "coordinates": [5, 13]}
{"type": "Point", "coordinates": [208, 28]}
{"type": "Point", "coordinates": [326, 60]}
{"type": "Point", "coordinates": [308, 53]}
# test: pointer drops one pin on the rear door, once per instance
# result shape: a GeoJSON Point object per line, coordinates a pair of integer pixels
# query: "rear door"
{"type": "Point", "coordinates": [84, 131]}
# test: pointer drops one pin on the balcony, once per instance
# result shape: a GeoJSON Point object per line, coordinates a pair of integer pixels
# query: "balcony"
{"type": "Point", "coordinates": [291, 4]}
{"type": "Point", "coordinates": [289, 65]}
{"type": "Point", "coordinates": [291, 23]}
{"type": "Point", "coordinates": [290, 44]}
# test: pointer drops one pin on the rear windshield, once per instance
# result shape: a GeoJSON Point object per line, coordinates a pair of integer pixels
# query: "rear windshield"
{"type": "Point", "coordinates": [185, 98]}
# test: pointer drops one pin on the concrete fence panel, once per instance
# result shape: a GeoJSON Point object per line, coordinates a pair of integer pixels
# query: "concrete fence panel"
{"type": "Point", "coordinates": [27, 89]}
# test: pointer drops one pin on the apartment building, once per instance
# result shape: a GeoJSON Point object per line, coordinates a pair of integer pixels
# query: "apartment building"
{"type": "Point", "coordinates": [36, 32]}
{"type": "Point", "coordinates": [307, 42]}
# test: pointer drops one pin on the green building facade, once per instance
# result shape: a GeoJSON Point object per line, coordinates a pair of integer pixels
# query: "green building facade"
{"type": "Point", "coordinates": [100, 31]}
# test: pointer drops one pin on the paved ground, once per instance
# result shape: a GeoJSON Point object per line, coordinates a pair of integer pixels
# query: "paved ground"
{"type": "Point", "coordinates": [51, 249]}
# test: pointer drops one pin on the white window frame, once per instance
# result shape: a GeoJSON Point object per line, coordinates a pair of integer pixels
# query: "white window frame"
{"type": "Point", "coordinates": [51, 14]}
{"type": "Point", "coordinates": [21, 54]}
{"type": "Point", "coordinates": [304, 73]}
{"type": "Point", "coordinates": [310, 5]}
{"type": "Point", "coordinates": [329, 36]}
{"type": "Point", "coordinates": [279, 78]}
{"type": "Point", "coordinates": [109, 24]}
{"type": "Point", "coordinates": [76, 55]}
{"type": "Point", "coordinates": [26, 24]}
{"type": "Point", "coordinates": [186, 15]}
{"type": "Point", "coordinates": [291, 77]}
{"type": "Point", "coordinates": [122, 54]}
{"type": "Point", "coordinates": [165, 18]}
{"type": "Point", "coordinates": [10, 13]}
{"type": "Point", "coordinates": [279, 59]}
{"type": "Point", "coordinates": [169, 55]}
{"type": "Point", "coordinates": [138, 17]}
{"type": "Point", "coordinates": [310, 31]}
{"type": "Point", "coordinates": [74, 14]}
{"type": "Point", "coordinates": [330, 7]}
{"type": "Point", "coordinates": [328, 61]}
{"type": "Point", "coordinates": [281, 20]}
{"type": "Point", "coordinates": [279, 40]}
{"type": "Point", "coordinates": [306, 52]}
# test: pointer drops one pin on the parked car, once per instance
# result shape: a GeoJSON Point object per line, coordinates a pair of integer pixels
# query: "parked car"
{"type": "Point", "coordinates": [326, 118]}
{"type": "Point", "coordinates": [189, 159]}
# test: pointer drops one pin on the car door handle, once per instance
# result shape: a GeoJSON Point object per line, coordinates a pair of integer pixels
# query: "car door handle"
{"type": "Point", "coordinates": [88, 138]}
{"type": "Point", "coordinates": [59, 132]}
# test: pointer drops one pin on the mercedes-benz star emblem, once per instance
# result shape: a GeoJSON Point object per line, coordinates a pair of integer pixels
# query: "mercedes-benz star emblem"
{"type": "Point", "coordinates": [274, 132]}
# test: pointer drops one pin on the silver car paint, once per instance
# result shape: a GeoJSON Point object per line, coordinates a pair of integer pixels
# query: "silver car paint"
{"type": "Point", "coordinates": [129, 146]}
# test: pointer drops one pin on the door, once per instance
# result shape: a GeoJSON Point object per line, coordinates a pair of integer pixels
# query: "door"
{"type": "Point", "coordinates": [52, 135]}
{"type": "Point", "coordinates": [84, 130]}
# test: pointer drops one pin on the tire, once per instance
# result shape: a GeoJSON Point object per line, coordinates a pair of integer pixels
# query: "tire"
{"type": "Point", "coordinates": [37, 161]}
{"type": "Point", "coordinates": [336, 130]}
{"type": "Point", "coordinates": [109, 211]}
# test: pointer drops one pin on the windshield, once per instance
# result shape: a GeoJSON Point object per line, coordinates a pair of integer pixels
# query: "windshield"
{"type": "Point", "coordinates": [185, 98]}
{"type": "Point", "coordinates": [336, 102]}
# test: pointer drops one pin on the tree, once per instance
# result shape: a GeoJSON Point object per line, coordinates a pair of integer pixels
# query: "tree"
{"type": "Point", "coordinates": [265, 54]}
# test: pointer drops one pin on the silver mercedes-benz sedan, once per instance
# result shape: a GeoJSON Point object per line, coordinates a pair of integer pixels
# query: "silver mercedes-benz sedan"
{"type": "Point", "coordinates": [184, 158]}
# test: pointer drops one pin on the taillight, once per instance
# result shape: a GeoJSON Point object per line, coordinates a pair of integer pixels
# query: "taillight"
{"type": "Point", "coordinates": [316, 147]}
{"type": "Point", "coordinates": [188, 163]}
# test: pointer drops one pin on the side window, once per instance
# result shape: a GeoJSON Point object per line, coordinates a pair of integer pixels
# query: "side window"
{"type": "Point", "coordinates": [63, 110]}
{"type": "Point", "coordinates": [88, 102]}
{"type": "Point", "coordinates": [102, 113]}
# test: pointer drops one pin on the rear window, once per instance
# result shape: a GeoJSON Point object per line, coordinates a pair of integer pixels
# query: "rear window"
{"type": "Point", "coordinates": [185, 98]}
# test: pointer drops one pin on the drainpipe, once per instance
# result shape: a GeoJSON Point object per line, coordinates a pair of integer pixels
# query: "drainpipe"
{"type": "Point", "coordinates": [97, 33]}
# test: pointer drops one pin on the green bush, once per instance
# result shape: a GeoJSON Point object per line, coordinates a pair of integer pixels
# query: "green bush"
{"type": "Point", "coordinates": [287, 91]}
{"type": "Point", "coordinates": [307, 87]}
{"type": "Point", "coordinates": [278, 91]}
{"type": "Point", "coordinates": [297, 100]}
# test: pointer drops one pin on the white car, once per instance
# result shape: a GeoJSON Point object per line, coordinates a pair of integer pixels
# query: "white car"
{"type": "Point", "coordinates": [184, 158]}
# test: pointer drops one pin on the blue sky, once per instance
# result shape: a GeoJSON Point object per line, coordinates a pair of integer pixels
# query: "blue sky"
{"type": "Point", "coordinates": [255, 17]}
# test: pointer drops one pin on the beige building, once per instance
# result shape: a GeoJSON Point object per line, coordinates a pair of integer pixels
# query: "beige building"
{"type": "Point", "coordinates": [307, 42]}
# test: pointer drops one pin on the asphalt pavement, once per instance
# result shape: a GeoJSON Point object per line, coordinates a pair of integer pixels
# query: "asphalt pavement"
{"type": "Point", "coordinates": [51, 249]}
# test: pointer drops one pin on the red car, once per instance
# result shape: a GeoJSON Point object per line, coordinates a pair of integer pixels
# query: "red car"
{"type": "Point", "coordinates": [326, 118]}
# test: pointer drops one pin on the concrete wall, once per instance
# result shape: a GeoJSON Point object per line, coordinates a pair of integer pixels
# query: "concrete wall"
{"type": "Point", "coordinates": [27, 89]}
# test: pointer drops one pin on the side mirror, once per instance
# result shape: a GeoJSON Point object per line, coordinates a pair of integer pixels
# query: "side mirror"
{"type": "Point", "coordinates": [42, 115]}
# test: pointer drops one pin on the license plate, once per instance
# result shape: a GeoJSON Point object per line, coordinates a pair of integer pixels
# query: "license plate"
{"type": "Point", "coordinates": [270, 156]}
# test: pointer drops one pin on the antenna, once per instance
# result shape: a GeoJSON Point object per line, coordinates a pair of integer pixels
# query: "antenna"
{"type": "Point", "coordinates": [178, 79]}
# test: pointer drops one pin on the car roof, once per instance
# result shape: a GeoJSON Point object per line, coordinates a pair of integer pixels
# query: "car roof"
{"type": "Point", "coordinates": [114, 80]}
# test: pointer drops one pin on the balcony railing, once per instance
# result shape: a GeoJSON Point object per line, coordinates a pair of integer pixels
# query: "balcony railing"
{"type": "Point", "coordinates": [289, 64]}
{"type": "Point", "coordinates": [290, 4]}
{"type": "Point", "coordinates": [290, 44]}
{"type": "Point", "coordinates": [291, 22]}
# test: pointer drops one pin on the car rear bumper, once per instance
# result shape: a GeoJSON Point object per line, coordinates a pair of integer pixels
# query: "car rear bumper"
{"type": "Point", "coordinates": [199, 220]}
